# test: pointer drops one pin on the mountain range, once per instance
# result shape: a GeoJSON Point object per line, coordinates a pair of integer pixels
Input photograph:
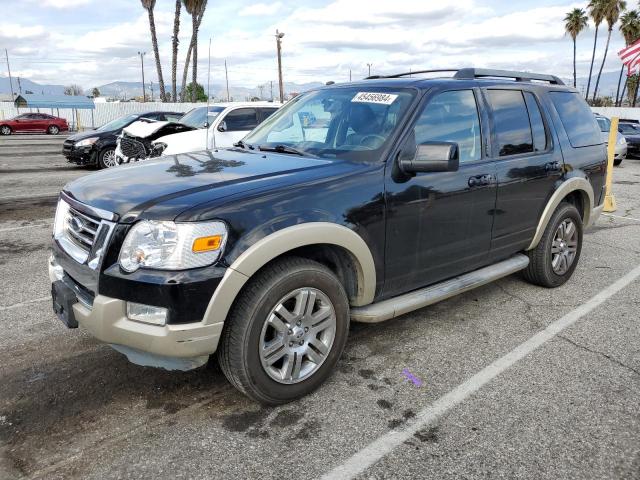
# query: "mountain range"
{"type": "Point", "coordinates": [126, 90]}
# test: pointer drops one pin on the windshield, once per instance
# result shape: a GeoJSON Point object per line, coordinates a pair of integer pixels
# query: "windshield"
{"type": "Point", "coordinates": [197, 118]}
{"type": "Point", "coordinates": [349, 123]}
{"type": "Point", "coordinates": [628, 128]}
{"type": "Point", "coordinates": [118, 123]}
{"type": "Point", "coordinates": [604, 123]}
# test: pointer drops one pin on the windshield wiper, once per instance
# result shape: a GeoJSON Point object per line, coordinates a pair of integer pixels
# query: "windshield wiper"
{"type": "Point", "coordinates": [283, 149]}
{"type": "Point", "coordinates": [241, 144]}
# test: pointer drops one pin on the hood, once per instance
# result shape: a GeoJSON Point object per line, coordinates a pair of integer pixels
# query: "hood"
{"type": "Point", "coordinates": [88, 134]}
{"type": "Point", "coordinates": [143, 128]}
{"type": "Point", "coordinates": [163, 188]}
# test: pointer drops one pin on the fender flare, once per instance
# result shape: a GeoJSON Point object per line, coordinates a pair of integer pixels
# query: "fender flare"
{"type": "Point", "coordinates": [282, 241]}
{"type": "Point", "coordinates": [571, 185]}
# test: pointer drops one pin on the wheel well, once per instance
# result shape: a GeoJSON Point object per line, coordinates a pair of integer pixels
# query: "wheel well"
{"type": "Point", "coordinates": [577, 198]}
{"type": "Point", "coordinates": [337, 259]}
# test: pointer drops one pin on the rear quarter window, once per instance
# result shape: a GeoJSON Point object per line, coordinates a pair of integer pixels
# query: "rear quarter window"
{"type": "Point", "coordinates": [577, 119]}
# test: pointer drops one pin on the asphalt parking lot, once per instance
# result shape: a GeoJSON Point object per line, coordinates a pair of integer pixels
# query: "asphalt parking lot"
{"type": "Point", "coordinates": [412, 398]}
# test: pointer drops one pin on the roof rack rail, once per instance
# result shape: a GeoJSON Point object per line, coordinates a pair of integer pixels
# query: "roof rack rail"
{"type": "Point", "coordinates": [472, 73]}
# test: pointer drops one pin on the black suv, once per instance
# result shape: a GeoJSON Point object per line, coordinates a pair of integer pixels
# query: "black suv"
{"type": "Point", "coordinates": [360, 201]}
{"type": "Point", "coordinates": [98, 147]}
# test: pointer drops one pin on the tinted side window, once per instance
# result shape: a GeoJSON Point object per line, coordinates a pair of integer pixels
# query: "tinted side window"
{"type": "Point", "coordinates": [241, 119]}
{"type": "Point", "coordinates": [577, 119]}
{"type": "Point", "coordinates": [267, 112]}
{"type": "Point", "coordinates": [452, 117]}
{"type": "Point", "coordinates": [511, 122]}
{"type": "Point", "coordinates": [537, 125]}
{"type": "Point", "coordinates": [172, 117]}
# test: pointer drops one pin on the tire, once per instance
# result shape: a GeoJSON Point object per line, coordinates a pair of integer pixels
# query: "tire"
{"type": "Point", "coordinates": [617, 162]}
{"type": "Point", "coordinates": [53, 130]}
{"type": "Point", "coordinates": [5, 130]}
{"type": "Point", "coordinates": [546, 266]}
{"type": "Point", "coordinates": [266, 378]}
{"type": "Point", "coordinates": [107, 158]}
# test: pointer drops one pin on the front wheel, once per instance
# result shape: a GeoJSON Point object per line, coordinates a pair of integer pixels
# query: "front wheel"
{"type": "Point", "coordinates": [107, 158]}
{"type": "Point", "coordinates": [286, 331]}
{"type": "Point", "coordinates": [5, 130]}
{"type": "Point", "coordinates": [617, 162]}
{"type": "Point", "coordinates": [555, 258]}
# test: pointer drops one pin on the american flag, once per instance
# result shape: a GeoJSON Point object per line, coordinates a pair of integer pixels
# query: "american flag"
{"type": "Point", "coordinates": [630, 57]}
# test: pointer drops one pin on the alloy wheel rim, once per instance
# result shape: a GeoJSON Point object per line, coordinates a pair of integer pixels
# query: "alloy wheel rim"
{"type": "Point", "coordinates": [297, 335]}
{"type": "Point", "coordinates": [54, 130]}
{"type": "Point", "coordinates": [109, 158]}
{"type": "Point", "coordinates": [5, 130]}
{"type": "Point", "coordinates": [564, 247]}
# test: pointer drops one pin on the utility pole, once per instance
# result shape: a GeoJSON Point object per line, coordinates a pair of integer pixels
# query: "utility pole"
{"type": "Point", "coordinates": [19, 86]}
{"type": "Point", "coordinates": [226, 74]}
{"type": "Point", "coordinates": [144, 95]}
{"type": "Point", "coordinates": [261, 88]}
{"type": "Point", "coordinates": [279, 36]}
{"type": "Point", "coordinates": [369, 65]}
{"type": "Point", "coordinates": [152, 91]}
{"type": "Point", "coordinates": [6, 54]}
{"type": "Point", "coordinates": [349, 75]}
{"type": "Point", "coordinates": [271, 82]}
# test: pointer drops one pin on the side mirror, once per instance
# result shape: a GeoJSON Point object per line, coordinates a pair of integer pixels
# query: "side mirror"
{"type": "Point", "coordinates": [433, 157]}
{"type": "Point", "coordinates": [222, 127]}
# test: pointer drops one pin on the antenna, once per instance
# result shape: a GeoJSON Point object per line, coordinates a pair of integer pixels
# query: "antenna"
{"type": "Point", "coordinates": [208, 95]}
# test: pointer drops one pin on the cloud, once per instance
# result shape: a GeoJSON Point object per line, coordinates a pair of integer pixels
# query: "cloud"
{"type": "Point", "coordinates": [260, 9]}
{"type": "Point", "coordinates": [62, 4]}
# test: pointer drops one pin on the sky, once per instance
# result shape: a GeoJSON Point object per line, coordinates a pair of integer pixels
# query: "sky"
{"type": "Point", "coordinates": [94, 42]}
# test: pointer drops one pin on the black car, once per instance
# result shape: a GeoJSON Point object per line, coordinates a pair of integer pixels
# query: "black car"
{"type": "Point", "coordinates": [97, 147]}
{"type": "Point", "coordinates": [361, 201]}
{"type": "Point", "coordinates": [631, 132]}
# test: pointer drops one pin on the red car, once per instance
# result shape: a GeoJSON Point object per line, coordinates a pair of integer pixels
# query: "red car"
{"type": "Point", "coordinates": [33, 122]}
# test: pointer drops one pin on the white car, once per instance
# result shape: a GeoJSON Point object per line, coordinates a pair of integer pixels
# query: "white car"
{"type": "Point", "coordinates": [227, 123]}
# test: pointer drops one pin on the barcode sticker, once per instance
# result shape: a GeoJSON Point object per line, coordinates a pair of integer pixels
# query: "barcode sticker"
{"type": "Point", "coordinates": [374, 97]}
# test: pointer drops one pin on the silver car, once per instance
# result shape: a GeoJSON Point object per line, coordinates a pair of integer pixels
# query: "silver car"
{"type": "Point", "coordinates": [621, 142]}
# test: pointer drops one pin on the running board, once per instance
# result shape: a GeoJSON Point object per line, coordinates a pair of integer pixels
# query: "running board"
{"type": "Point", "coordinates": [394, 307]}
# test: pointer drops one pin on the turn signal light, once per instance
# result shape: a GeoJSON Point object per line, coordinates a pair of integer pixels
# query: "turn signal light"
{"type": "Point", "coordinates": [207, 244]}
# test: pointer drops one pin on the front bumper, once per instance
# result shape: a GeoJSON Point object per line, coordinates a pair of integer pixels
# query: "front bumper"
{"type": "Point", "coordinates": [79, 156]}
{"type": "Point", "coordinates": [620, 152]}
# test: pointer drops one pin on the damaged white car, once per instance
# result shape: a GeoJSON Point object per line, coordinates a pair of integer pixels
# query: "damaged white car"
{"type": "Point", "coordinates": [219, 124]}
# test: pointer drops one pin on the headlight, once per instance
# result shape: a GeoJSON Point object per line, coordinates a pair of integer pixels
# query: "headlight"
{"type": "Point", "coordinates": [87, 141]}
{"type": "Point", "coordinates": [62, 211]}
{"type": "Point", "coordinates": [622, 141]}
{"type": "Point", "coordinates": [172, 246]}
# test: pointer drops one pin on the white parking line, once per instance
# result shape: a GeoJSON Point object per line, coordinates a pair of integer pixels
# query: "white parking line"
{"type": "Point", "coordinates": [11, 229]}
{"type": "Point", "coordinates": [384, 444]}
{"type": "Point", "coordinates": [28, 302]}
{"type": "Point", "coordinates": [618, 216]}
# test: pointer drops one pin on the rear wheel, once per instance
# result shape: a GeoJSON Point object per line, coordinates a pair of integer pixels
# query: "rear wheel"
{"type": "Point", "coordinates": [5, 130]}
{"type": "Point", "coordinates": [107, 158]}
{"type": "Point", "coordinates": [53, 130]}
{"type": "Point", "coordinates": [555, 258]}
{"type": "Point", "coordinates": [285, 332]}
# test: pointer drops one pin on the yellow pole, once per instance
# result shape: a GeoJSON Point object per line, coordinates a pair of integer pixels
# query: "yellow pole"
{"type": "Point", "coordinates": [609, 199]}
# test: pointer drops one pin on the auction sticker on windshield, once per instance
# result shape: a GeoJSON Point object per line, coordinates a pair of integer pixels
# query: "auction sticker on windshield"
{"type": "Point", "coordinates": [374, 97]}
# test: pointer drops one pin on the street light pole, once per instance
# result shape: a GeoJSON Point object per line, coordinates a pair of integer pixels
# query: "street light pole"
{"type": "Point", "coordinates": [9, 70]}
{"type": "Point", "coordinates": [144, 95]}
{"type": "Point", "coordinates": [279, 36]}
{"type": "Point", "coordinates": [369, 65]}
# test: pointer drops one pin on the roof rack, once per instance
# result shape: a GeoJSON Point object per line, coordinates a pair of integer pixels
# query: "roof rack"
{"type": "Point", "coordinates": [472, 73]}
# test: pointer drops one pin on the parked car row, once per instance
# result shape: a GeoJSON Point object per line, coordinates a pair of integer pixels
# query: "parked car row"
{"type": "Point", "coordinates": [140, 136]}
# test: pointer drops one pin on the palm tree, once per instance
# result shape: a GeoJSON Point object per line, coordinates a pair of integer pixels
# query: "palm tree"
{"type": "Point", "coordinates": [174, 58]}
{"type": "Point", "coordinates": [195, 8]}
{"type": "Point", "coordinates": [630, 29]}
{"type": "Point", "coordinates": [574, 22]}
{"type": "Point", "coordinates": [149, 5]}
{"type": "Point", "coordinates": [596, 12]}
{"type": "Point", "coordinates": [612, 10]}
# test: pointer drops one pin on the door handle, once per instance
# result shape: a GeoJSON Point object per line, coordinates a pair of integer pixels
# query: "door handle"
{"type": "Point", "coordinates": [479, 180]}
{"type": "Point", "coordinates": [552, 166]}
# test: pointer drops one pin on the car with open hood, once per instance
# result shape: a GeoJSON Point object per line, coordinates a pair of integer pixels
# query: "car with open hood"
{"type": "Point", "coordinates": [218, 125]}
{"type": "Point", "coordinates": [354, 202]}
{"type": "Point", "coordinates": [98, 147]}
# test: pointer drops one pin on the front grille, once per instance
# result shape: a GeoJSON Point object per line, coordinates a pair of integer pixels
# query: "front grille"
{"type": "Point", "coordinates": [81, 229]}
{"type": "Point", "coordinates": [67, 145]}
{"type": "Point", "coordinates": [132, 148]}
